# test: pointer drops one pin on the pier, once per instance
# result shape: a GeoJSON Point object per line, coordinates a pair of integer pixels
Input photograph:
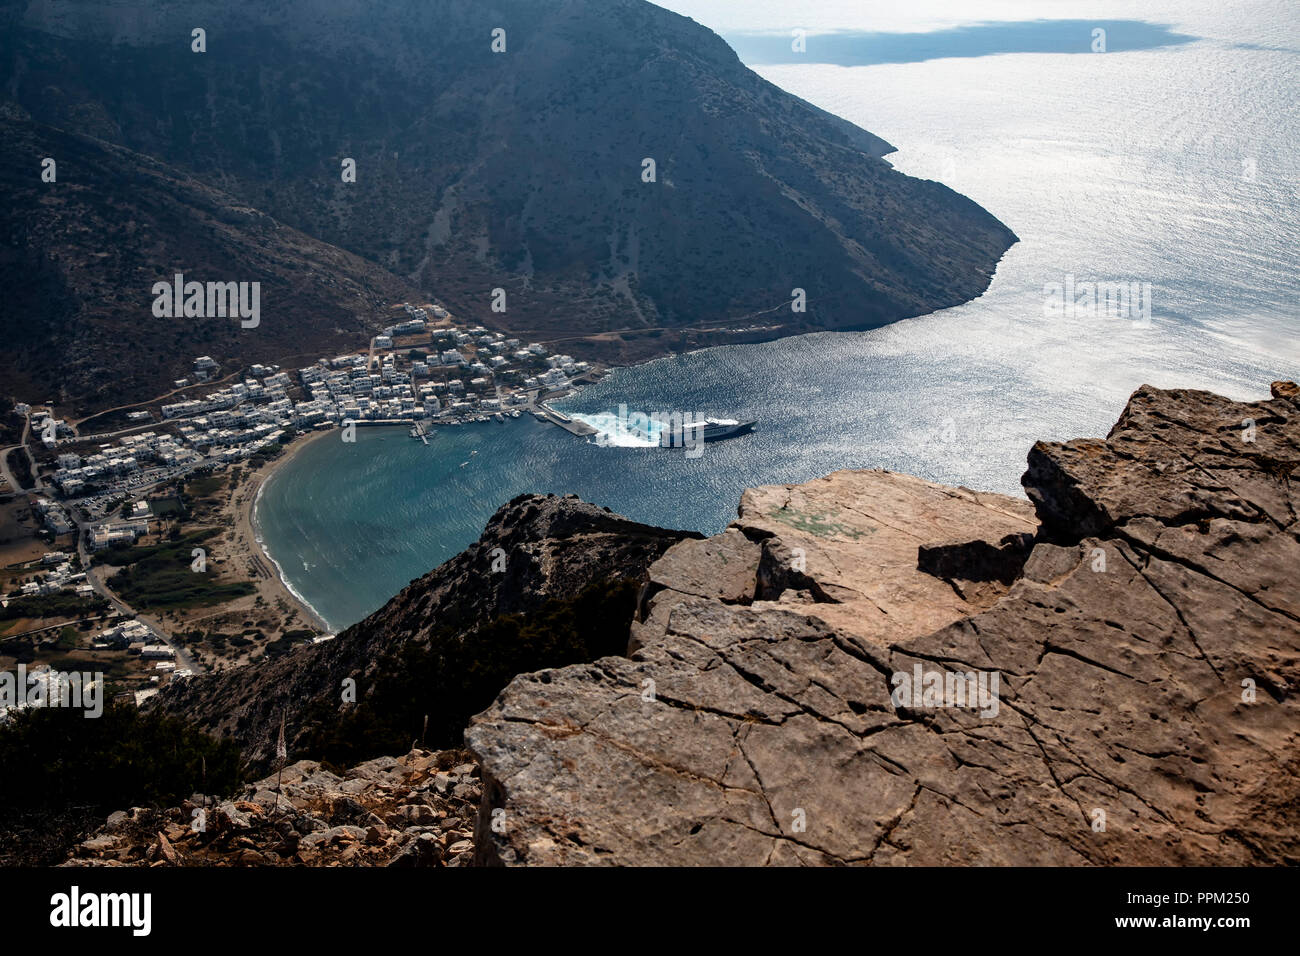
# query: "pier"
{"type": "Point", "coordinates": [546, 413]}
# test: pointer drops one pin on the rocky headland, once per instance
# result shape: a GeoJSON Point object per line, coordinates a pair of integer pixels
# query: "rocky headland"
{"type": "Point", "coordinates": [1148, 650]}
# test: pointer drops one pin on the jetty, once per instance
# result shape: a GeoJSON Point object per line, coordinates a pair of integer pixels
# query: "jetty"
{"type": "Point", "coordinates": [546, 413]}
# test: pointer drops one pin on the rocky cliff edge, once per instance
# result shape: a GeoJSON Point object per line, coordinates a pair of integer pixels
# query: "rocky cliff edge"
{"type": "Point", "coordinates": [872, 669]}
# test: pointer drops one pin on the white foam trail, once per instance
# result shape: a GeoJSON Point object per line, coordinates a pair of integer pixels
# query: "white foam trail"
{"type": "Point", "coordinates": [616, 433]}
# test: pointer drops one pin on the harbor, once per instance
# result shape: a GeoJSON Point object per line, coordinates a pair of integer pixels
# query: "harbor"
{"type": "Point", "coordinates": [420, 430]}
{"type": "Point", "coordinates": [515, 406]}
{"type": "Point", "coordinates": [687, 429]}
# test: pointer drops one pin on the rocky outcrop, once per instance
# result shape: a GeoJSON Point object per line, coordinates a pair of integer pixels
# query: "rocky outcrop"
{"type": "Point", "coordinates": [534, 591]}
{"type": "Point", "coordinates": [415, 810]}
{"type": "Point", "coordinates": [871, 553]}
{"type": "Point", "coordinates": [920, 683]}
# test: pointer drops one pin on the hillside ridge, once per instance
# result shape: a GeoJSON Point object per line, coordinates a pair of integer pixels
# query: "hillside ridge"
{"type": "Point", "coordinates": [523, 170]}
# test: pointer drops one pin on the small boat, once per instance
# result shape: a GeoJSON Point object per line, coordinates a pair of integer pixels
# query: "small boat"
{"type": "Point", "coordinates": [499, 418]}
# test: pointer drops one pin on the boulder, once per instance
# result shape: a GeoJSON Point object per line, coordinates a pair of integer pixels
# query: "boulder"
{"type": "Point", "coordinates": [869, 552]}
{"type": "Point", "coordinates": [229, 817]}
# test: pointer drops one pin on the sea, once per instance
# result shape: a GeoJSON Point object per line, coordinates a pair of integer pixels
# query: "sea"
{"type": "Point", "coordinates": [1162, 152]}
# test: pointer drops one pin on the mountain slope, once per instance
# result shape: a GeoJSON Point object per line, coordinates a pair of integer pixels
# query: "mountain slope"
{"type": "Point", "coordinates": [520, 170]}
{"type": "Point", "coordinates": [790, 692]}
{"type": "Point", "coordinates": [79, 258]}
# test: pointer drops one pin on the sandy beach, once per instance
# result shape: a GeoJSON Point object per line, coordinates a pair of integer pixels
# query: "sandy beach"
{"type": "Point", "coordinates": [242, 536]}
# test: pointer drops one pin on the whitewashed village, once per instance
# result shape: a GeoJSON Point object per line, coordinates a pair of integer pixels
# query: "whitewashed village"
{"type": "Point", "coordinates": [95, 496]}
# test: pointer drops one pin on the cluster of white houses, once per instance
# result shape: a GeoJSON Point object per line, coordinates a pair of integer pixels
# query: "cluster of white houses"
{"type": "Point", "coordinates": [236, 420]}
{"type": "Point", "coordinates": [100, 536]}
{"type": "Point", "coordinates": [49, 430]}
{"type": "Point", "coordinates": [125, 636]}
{"type": "Point", "coordinates": [134, 638]}
{"type": "Point", "coordinates": [125, 457]}
{"type": "Point", "coordinates": [60, 575]}
{"type": "Point", "coordinates": [272, 388]}
{"type": "Point", "coordinates": [54, 518]}
{"type": "Point", "coordinates": [407, 384]}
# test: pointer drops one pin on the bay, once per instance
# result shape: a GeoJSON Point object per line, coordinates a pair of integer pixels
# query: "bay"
{"type": "Point", "coordinates": [1171, 160]}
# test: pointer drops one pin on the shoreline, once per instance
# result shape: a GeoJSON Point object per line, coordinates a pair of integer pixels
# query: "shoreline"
{"type": "Point", "coordinates": [246, 534]}
{"type": "Point", "coordinates": [247, 537]}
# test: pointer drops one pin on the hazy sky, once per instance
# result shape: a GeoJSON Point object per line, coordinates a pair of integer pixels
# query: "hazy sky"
{"type": "Point", "coordinates": [725, 15]}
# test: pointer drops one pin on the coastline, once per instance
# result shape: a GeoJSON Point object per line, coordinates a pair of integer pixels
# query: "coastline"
{"type": "Point", "coordinates": [246, 536]}
{"type": "Point", "coordinates": [247, 539]}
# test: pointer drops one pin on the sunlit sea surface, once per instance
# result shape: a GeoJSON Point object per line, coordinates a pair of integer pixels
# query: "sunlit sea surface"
{"type": "Point", "coordinates": [1173, 159]}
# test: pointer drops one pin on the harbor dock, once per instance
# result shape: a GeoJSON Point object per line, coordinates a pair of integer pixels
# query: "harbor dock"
{"type": "Point", "coordinates": [546, 413]}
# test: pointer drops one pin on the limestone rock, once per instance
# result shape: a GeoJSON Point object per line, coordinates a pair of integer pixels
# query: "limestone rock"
{"type": "Point", "coordinates": [874, 551]}
{"type": "Point", "coordinates": [230, 817]}
{"type": "Point", "coordinates": [1133, 677]}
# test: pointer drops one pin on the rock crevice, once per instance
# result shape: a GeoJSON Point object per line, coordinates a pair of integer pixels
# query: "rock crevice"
{"type": "Point", "coordinates": [1106, 677]}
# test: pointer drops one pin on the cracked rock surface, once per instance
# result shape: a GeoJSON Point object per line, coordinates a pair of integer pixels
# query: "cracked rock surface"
{"type": "Point", "coordinates": [847, 547]}
{"type": "Point", "coordinates": [1142, 622]}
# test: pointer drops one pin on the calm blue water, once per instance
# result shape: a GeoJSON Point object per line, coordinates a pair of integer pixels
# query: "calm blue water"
{"type": "Point", "coordinates": [1173, 159]}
